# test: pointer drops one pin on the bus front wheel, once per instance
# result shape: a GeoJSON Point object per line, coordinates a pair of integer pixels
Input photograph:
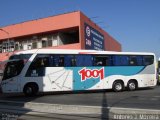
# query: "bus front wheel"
{"type": "Point", "coordinates": [30, 89]}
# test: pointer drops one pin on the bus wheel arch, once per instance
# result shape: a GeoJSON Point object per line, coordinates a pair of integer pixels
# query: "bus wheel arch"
{"type": "Point", "coordinates": [118, 85]}
{"type": "Point", "coordinates": [132, 85]}
{"type": "Point", "coordinates": [31, 89]}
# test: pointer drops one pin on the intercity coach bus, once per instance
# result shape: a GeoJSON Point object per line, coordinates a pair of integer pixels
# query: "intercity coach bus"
{"type": "Point", "coordinates": [49, 70]}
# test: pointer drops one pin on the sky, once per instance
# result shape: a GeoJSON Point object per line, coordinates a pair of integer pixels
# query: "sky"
{"type": "Point", "coordinates": [133, 23]}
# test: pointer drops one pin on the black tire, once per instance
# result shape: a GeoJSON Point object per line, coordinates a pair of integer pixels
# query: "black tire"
{"type": "Point", "coordinates": [30, 89]}
{"type": "Point", "coordinates": [118, 86]}
{"type": "Point", "coordinates": [132, 85]}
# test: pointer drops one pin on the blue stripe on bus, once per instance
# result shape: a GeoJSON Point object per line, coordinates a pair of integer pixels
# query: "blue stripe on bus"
{"type": "Point", "coordinates": [78, 84]}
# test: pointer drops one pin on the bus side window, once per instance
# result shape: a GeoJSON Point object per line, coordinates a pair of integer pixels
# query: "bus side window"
{"type": "Point", "coordinates": [148, 60]}
{"type": "Point", "coordinates": [99, 61]}
{"type": "Point", "coordinates": [102, 60]}
{"type": "Point", "coordinates": [40, 62]}
{"type": "Point", "coordinates": [37, 67]}
{"type": "Point", "coordinates": [140, 60]}
{"type": "Point", "coordinates": [120, 60]}
{"type": "Point", "coordinates": [84, 60]}
{"type": "Point", "coordinates": [69, 61]}
{"type": "Point", "coordinates": [109, 61]}
{"type": "Point", "coordinates": [133, 61]}
{"type": "Point", "coordinates": [57, 60]}
{"type": "Point", "coordinates": [45, 62]}
{"type": "Point", "coordinates": [61, 61]}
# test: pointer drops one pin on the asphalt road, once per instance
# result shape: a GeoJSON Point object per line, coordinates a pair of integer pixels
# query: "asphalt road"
{"type": "Point", "coordinates": [142, 99]}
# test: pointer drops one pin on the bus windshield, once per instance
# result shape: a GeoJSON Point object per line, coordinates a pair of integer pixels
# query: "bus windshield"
{"type": "Point", "coordinates": [20, 56]}
{"type": "Point", "coordinates": [12, 69]}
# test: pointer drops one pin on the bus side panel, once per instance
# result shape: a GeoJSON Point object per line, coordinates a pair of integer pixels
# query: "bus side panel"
{"type": "Point", "coordinates": [87, 78]}
{"type": "Point", "coordinates": [101, 77]}
{"type": "Point", "coordinates": [59, 79]}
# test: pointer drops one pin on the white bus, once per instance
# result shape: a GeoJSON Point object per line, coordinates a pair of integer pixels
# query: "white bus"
{"type": "Point", "coordinates": [49, 70]}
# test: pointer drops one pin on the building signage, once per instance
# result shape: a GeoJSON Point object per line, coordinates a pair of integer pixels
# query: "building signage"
{"type": "Point", "coordinates": [93, 38]}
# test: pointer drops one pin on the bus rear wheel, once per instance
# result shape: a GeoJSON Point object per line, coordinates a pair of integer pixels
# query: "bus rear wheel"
{"type": "Point", "coordinates": [118, 86]}
{"type": "Point", "coordinates": [30, 89]}
{"type": "Point", "coordinates": [132, 85]}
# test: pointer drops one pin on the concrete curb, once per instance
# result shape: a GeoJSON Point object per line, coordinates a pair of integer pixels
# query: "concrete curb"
{"type": "Point", "coordinates": [111, 112]}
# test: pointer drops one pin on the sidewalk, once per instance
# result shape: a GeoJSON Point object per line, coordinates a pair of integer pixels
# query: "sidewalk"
{"type": "Point", "coordinates": [107, 112]}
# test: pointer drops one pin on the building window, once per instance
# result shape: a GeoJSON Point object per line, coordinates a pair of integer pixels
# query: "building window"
{"type": "Point", "coordinates": [44, 43]}
{"type": "Point", "coordinates": [39, 44]}
{"type": "Point", "coordinates": [29, 46]}
{"type": "Point", "coordinates": [6, 47]}
{"type": "Point", "coordinates": [21, 46]}
{"type": "Point", "coordinates": [34, 45]}
{"type": "Point", "coordinates": [55, 42]}
{"type": "Point", "coordinates": [49, 43]}
{"type": "Point", "coordinates": [11, 46]}
{"type": "Point", "coordinates": [17, 46]}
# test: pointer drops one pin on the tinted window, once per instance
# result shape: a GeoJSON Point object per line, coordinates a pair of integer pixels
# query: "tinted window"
{"type": "Point", "coordinates": [101, 60]}
{"type": "Point", "coordinates": [57, 60]}
{"type": "Point", "coordinates": [133, 60]}
{"type": "Point", "coordinates": [65, 60]}
{"type": "Point", "coordinates": [84, 60]}
{"type": "Point", "coordinates": [148, 60]}
{"type": "Point", "coordinates": [21, 56]}
{"type": "Point", "coordinates": [69, 60]}
{"type": "Point", "coordinates": [136, 60]}
{"type": "Point", "coordinates": [37, 67]}
{"type": "Point", "coordinates": [41, 61]}
{"type": "Point", "coordinates": [120, 60]}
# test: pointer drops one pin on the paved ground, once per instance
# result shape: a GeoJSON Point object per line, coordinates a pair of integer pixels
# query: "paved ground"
{"type": "Point", "coordinates": [142, 99]}
{"type": "Point", "coordinates": [95, 105]}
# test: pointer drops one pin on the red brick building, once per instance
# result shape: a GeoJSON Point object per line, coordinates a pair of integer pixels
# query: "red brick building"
{"type": "Point", "coordinates": [65, 31]}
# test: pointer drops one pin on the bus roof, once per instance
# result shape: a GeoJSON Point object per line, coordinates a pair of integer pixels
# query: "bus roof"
{"type": "Point", "coordinates": [69, 51]}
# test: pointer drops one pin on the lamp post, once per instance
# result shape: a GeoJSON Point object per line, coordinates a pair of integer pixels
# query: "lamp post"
{"type": "Point", "coordinates": [8, 38]}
